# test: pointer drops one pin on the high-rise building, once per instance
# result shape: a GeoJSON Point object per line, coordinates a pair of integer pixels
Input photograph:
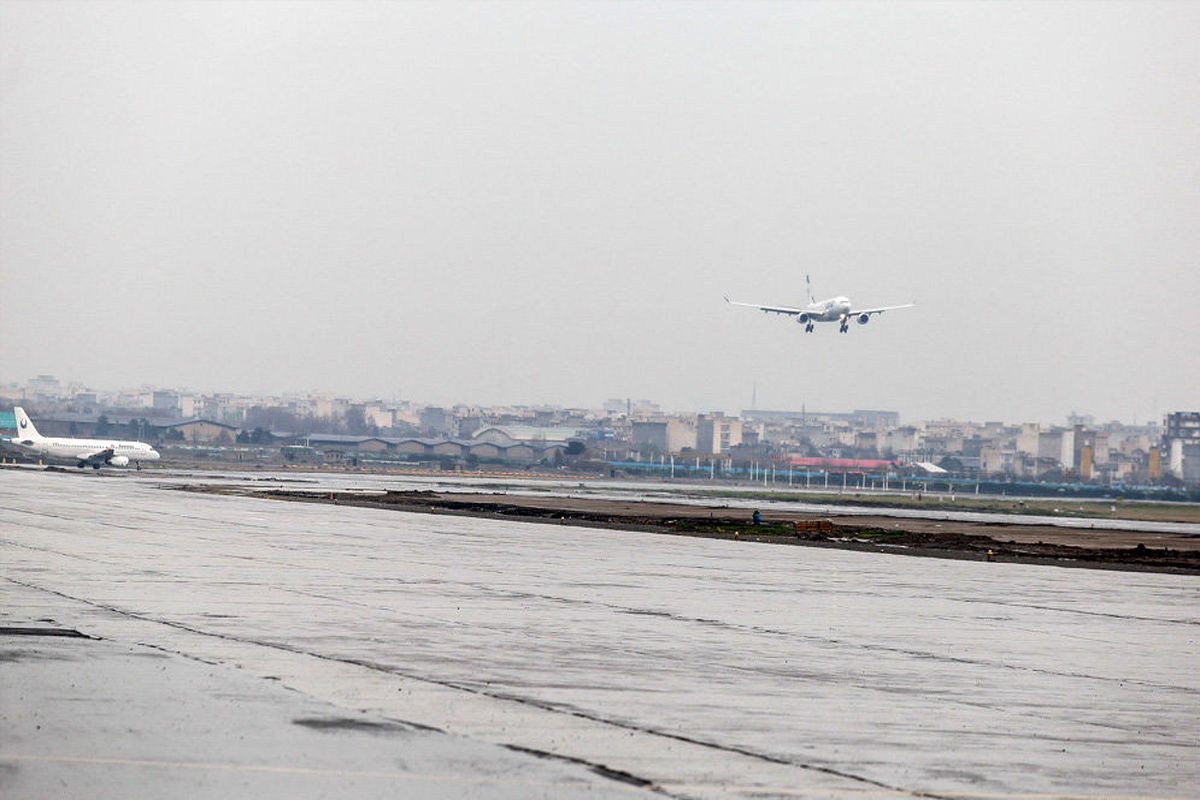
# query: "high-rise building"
{"type": "Point", "coordinates": [716, 433]}
{"type": "Point", "coordinates": [1181, 445]}
{"type": "Point", "coordinates": [664, 435]}
{"type": "Point", "coordinates": [44, 387]}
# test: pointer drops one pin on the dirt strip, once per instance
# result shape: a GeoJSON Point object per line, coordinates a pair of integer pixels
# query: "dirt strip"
{"type": "Point", "coordinates": [1042, 544]}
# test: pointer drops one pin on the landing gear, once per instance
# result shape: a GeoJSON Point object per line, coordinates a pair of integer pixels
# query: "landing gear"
{"type": "Point", "coordinates": [81, 465]}
{"type": "Point", "coordinates": [844, 328]}
{"type": "Point", "coordinates": [808, 328]}
{"type": "Point", "coordinates": [96, 465]}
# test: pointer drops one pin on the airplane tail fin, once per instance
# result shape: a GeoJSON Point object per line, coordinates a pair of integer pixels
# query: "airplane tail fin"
{"type": "Point", "coordinates": [808, 286]}
{"type": "Point", "coordinates": [25, 429]}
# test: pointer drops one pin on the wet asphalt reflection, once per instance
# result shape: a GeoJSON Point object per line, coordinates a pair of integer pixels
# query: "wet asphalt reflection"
{"type": "Point", "coordinates": [700, 667]}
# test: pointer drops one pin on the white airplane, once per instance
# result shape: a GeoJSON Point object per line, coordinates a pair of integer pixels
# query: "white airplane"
{"type": "Point", "coordinates": [835, 309]}
{"type": "Point", "coordinates": [85, 452]}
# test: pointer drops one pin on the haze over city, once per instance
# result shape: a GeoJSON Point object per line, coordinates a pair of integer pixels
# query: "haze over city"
{"type": "Point", "coordinates": [520, 203]}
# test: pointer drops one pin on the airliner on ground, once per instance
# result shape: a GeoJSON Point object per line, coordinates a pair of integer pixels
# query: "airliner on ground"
{"type": "Point", "coordinates": [835, 309]}
{"type": "Point", "coordinates": [84, 452]}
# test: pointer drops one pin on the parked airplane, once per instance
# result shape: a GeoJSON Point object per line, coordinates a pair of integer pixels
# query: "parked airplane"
{"type": "Point", "coordinates": [85, 452]}
{"type": "Point", "coordinates": [835, 309]}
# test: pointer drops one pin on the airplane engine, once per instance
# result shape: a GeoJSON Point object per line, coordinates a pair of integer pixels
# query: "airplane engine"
{"type": "Point", "coordinates": [863, 319]}
{"type": "Point", "coordinates": [119, 461]}
{"type": "Point", "coordinates": [802, 319]}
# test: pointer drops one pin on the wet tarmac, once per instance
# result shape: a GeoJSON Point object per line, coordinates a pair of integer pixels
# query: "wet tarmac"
{"type": "Point", "coordinates": [256, 648]}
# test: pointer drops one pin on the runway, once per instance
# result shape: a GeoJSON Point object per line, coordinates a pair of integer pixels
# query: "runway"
{"type": "Point", "coordinates": [256, 648]}
{"type": "Point", "coordinates": [690, 493]}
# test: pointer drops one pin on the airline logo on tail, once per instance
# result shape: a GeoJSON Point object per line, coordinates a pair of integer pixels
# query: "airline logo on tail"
{"type": "Point", "coordinates": [25, 423]}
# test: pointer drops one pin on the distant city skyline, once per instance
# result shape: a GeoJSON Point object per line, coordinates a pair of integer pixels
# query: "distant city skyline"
{"type": "Point", "coordinates": [636, 401]}
{"type": "Point", "coordinates": [512, 203]}
{"type": "Point", "coordinates": [334, 427]}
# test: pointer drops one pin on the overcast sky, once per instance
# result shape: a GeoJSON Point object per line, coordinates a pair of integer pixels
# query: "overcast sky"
{"type": "Point", "coordinates": [527, 203]}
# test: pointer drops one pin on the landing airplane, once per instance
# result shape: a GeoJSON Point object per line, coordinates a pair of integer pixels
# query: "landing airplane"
{"type": "Point", "coordinates": [835, 309]}
{"type": "Point", "coordinates": [85, 452]}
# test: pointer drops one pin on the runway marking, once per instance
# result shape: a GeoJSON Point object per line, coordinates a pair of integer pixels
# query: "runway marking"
{"type": "Point", "coordinates": [286, 770]}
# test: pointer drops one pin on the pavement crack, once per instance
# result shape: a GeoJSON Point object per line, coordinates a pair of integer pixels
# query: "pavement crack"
{"type": "Point", "coordinates": [600, 769]}
{"type": "Point", "coordinates": [840, 643]}
{"type": "Point", "coordinates": [549, 707]}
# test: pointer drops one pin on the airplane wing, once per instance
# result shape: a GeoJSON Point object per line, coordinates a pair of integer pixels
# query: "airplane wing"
{"type": "Point", "coordinates": [101, 457]}
{"type": "Point", "coordinates": [860, 311]}
{"type": "Point", "coordinates": [769, 309]}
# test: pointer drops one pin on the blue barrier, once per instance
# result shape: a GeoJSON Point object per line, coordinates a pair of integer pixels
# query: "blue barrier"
{"type": "Point", "coordinates": [799, 477]}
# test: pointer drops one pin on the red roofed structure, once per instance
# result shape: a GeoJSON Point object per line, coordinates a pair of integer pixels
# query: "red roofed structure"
{"type": "Point", "coordinates": [869, 464]}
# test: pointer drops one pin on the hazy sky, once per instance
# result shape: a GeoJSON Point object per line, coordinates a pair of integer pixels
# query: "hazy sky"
{"type": "Point", "coordinates": [545, 202]}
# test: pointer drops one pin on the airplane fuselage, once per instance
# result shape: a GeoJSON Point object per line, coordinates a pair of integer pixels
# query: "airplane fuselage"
{"type": "Point", "coordinates": [81, 448]}
{"type": "Point", "coordinates": [835, 309]}
{"type": "Point", "coordinates": [84, 452]}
